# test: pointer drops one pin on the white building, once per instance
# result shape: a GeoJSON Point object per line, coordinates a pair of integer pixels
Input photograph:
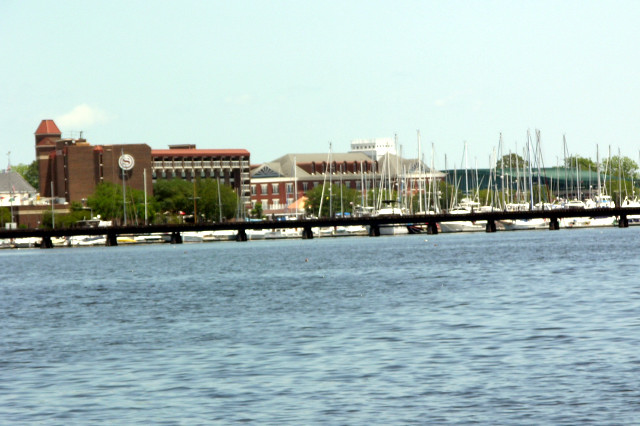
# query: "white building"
{"type": "Point", "coordinates": [15, 191]}
{"type": "Point", "coordinates": [374, 148]}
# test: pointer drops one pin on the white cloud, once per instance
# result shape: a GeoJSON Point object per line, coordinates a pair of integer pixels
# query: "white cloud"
{"type": "Point", "coordinates": [81, 117]}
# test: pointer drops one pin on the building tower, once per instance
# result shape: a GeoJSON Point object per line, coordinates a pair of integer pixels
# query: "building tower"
{"type": "Point", "coordinates": [46, 136]}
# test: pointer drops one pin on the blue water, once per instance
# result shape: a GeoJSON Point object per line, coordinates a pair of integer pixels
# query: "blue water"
{"type": "Point", "coordinates": [509, 328]}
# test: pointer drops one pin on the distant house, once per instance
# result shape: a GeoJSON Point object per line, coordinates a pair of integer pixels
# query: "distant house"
{"type": "Point", "coordinates": [15, 191]}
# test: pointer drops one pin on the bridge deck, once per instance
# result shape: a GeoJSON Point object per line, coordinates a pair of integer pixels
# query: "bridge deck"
{"type": "Point", "coordinates": [307, 224]}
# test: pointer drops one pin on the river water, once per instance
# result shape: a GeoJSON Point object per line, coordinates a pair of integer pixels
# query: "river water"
{"type": "Point", "coordinates": [531, 327]}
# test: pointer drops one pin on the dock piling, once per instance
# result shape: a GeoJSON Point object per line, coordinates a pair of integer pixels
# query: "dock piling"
{"type": "Point", "coordinates": [111, 240]}
{"type": "Point", "coordinates": [176, 238]}
{"type": "Point", "coordinates": [46, 242]}
{"type": "Point", "coordinates": [432, 228]}
{"type": "Point", "coordinates": [307, 233]}
{"type": "Point", "coordinates": [242, 235]}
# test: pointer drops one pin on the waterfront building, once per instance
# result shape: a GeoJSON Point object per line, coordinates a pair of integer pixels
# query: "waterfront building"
{"type": "Point", "coordinates": [70, 168]}
{"type": "Point", "coordinates": [280, 184]}
{"type": "Point", "coordinates": [229, 166]}
{"type": "Point", "coordinates": [15, 191]}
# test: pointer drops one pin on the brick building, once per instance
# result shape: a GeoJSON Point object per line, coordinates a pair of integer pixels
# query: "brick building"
{"type": "Point", "coordinates": [229, 166]}
{"type": "Point", "coordinates": [72, 168]}
{"type": "Point", "coordinates": [279, 184]}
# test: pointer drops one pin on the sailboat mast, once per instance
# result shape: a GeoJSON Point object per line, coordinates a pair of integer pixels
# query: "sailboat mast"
{"type": "Point", "coordinates": [466, 171]}
{"type": "Point", "coordinates": [420, 186]}
{"type": "Point", "coordinates": [530, 171]}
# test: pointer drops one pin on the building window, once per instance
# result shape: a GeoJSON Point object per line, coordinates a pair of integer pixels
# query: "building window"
{"type": "Point", "coordinates": [315, 184]}
{"type": "Point", "coordinates": [289, 188]}
{"type": "Point", "coordinates": [275, 188]}
{"type": "Point", "coordinates": [305, 186]}
{"type": "Point", "coordinates": [253, 190]}
{"type": "Point", "coordinates": [358, 185]}
{"type": "Point", "coordinates": [263, 188]}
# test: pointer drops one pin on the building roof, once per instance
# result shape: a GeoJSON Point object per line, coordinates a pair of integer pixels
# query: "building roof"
{"type": "Point", "coordinates": [284, 166]}
{"type": "Point", "coordinates": [48, 127]}
{"type": "Point", "coordinates": [197, 152]}
{"type": "Point", "coordinates": [11, 181]}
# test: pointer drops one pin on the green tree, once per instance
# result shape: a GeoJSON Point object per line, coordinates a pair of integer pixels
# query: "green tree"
{"type": "Point", "coordinates": [5, 215]}
{"type": "Point", "coordinates": [174, 195]}
{"type": "Point", "coordinates": [582, 162]}
{"type": "Point", "coordinates": [334, 199]}
{"type": "Point", "coordinates": [511, 161]}
{"type": "Point", "coordinates": [29, 172]}
{"type": "Point", "coordinates": [106, 201]}
{"type": "Point", "coordinates": [67, 220]}
{"type": "Point", "coordinates": [207, 200]}
{"type": "Point", "coordinates": [256, 212]}
{"type": "Point", "coordinates": [619, 166]}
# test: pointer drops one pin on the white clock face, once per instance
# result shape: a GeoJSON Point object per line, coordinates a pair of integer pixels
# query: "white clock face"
{"type": "Point", "coordinates": [126, 162]}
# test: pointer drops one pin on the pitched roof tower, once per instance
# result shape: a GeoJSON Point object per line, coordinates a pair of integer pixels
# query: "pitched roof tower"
{"type": "Point", "coordinates": [47, 134]}
{"type": "Point", "coordinates": [47, 130]}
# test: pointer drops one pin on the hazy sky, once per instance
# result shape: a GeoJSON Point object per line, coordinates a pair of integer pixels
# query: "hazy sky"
{"type": "Point", "coordinates": [278, 77]}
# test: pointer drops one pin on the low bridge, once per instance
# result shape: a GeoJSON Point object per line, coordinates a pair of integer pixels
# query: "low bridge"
{"type": "Point", "coordinates": [428, 223]}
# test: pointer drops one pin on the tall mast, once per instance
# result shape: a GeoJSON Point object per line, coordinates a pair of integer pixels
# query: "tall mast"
{"type": "Point", "coordinates": [420, 186]}
{"type": "Point", "coordinates": [466, 171]}
{"type": "Point", "coordinates": [124, 195]}
{"type": "Point", "coordinates": [530, 172]}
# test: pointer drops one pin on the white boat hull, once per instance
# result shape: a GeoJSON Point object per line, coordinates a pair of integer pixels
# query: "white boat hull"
{"type": "Point", "coordinates": [479, 226]}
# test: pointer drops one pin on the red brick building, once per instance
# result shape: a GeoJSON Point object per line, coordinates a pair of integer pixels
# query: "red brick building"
{"type": "Point", "coordinates": [279, 183]}
{"type": "Point", "coordinates": [72, 168]}
{"type": "Point", "coordinates": [230, 166]}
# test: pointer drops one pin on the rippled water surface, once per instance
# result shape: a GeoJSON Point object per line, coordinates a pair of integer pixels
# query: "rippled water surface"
{"type": "Point", "coordinates": [507, 328]}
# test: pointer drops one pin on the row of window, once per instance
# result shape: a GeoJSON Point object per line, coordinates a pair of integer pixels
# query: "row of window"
{"type": "Point", "coordinates": [275, 187]}
{"type": "Point", "coordinates": [274, 204]}
{"type": "Point", "coordinates": [344, 167]}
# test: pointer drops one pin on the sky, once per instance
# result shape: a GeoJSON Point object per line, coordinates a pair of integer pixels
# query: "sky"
{"type": "Point", "coordinates": [277, 77]}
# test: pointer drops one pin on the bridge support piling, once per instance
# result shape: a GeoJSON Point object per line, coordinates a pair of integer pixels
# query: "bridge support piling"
{"type": "Point", "coordinates": [111, 240]}
{"type": "Point", "coordinates": [432, 228]}
{"type": "Point", "coordinates": [242, 235]}
{"type": "Point", "coordinates": [623, 222]}
{"type": "Point", "coordinates": [554, 225]}
{"type": "Point", "coordinates": [374, 230]}
{"type": "Point", "coordinates": [46, 243]}
{"type": "Point", "coordinates": [176, 238]}
{"type": "Point", "coordinates": [491, 226]}
{"type": "Point", "coordinates": [307, 233]}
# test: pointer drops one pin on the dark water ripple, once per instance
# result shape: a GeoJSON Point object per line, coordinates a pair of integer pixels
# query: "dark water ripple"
{"type": "Point", "coordinates": [509, 328]}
